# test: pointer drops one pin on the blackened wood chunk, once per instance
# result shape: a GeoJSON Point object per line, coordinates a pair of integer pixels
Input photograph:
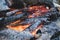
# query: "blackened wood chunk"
{"type": "Point", "coordinates": [3, 13]}
{"type": "Point", "coordinates": [56, 36]}
{"type": "Point", "coordinates": [33, 38]}
{"type": "Point", "coordinates": [38, 2]}
{"type": "Point", "coordinates": [17, 4]}
{"type": "Point", "coordinates": [2, 26]}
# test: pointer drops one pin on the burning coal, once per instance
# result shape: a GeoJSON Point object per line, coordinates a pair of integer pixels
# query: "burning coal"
{"type": "Point", "coordinates": [29, 22]}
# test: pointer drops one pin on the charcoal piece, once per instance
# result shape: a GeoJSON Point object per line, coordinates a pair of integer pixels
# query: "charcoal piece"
{"type": "Point", "coordinates": [33, 20]}
{"type": "Point", "coordinates": [17, 4]}
{"type": "Point", "coordinates": [50, 29]}
{"type": "Point", "coordinates": [3, 13]}
{"type": "Point", "coordinates": [53, 14]}
{"type": "Point", "coordinates": [33, 26]}
{"type": "Point", "coordinates": [56, 35]}
{"type": "Point", "coordinates": [39, 31]}
{"type": "Point", "coordinates": [2, 26]}
{"type": "Point", "coordinates": [33, 38]}
{"type": "Point", "coordinates": [13, 18]}
{"type": "Point", "coordinates": [39, 2]}
{"type": "Point", "coordinates": [11, 12]}
{"type": "Point", "coordinates": [38, 34]}
{"type": "Point", "coordinates": [29, 20]}
{"type": "Point", "coordinates": [46, 3]}
{"type": "Point", "coordinates": [7, 20]}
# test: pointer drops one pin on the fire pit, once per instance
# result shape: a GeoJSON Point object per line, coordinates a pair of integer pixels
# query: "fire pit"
{"type": "Point", "coordinates": [29, 23]}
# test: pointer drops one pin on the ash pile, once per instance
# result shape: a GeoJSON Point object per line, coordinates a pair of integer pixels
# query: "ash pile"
{"type": "Point", "coordinates": [25, 20]}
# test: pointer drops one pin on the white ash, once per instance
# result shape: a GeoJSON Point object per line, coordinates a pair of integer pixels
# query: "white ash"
{"type": "Point", "coordinates": [13, 35]}
{"type": "Point", "coordinates": [3, 5]}
{"type": "Point", "coordinates": [49, 30]}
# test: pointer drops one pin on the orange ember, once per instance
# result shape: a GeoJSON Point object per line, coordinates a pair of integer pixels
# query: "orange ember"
{"type": "Point", "coordinates": [13, 23]}
{"type": "Point", "coordinates": [34, 32]}
{"type": "Point", "coordinates": [18, 13]}
{"type": "Point", "coordinates": [37, 11]}
{"type": "Point", "coordinates": [42, 8]}
{"type": "Point", "coordinates": [18, 28]}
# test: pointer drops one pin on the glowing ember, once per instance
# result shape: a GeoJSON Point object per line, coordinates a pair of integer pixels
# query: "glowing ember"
{"type": "Point", "coordinates": [18, 28]}
{"type": "Point", "coordinates": [38, 10]}
{"type": "Point", "coordinates": [34, 32]}
{"type": "Point", "coordinates": [18, 13]}
{"type": "Point", "coordinates": [13, 23]}
{"type": "Point", "coordinates": [35, 12]}
{"type": "Point", "coordinates": [42, 8]}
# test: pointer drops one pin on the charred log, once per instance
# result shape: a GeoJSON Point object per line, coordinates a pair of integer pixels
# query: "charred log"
{"type": "Point", "coordinates": [12, 18]}
{"type": "Point", "coordinates": [3, 13]}
{"type": "Point", "coordinates": [33, 38]}
{"type": "Point", "coordinates": [7, 20]}
{"type": "Point", "coordinates": [17, 4]}
{"type": "Point", "coordinates": [33, 26]}
{"type": "Point", "coordinates": [39, 2]}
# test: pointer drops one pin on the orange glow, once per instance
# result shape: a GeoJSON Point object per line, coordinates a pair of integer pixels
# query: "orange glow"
{"type": "Point", "coordinates": [18, 13]}
{"type": "Point", "coordinates": [41, 8]}
{"type": "Point", "coordinates": [18, 28]}
{"type": "Point", "coordinates": [34, 32]}
{"type": "Point", "coordinates": [13, 23]}
{"type": "Point", "coordinates": [37, 11]}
